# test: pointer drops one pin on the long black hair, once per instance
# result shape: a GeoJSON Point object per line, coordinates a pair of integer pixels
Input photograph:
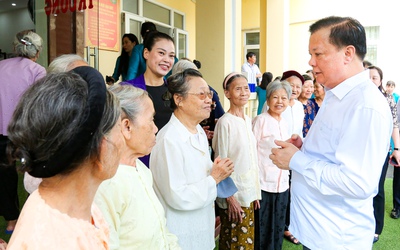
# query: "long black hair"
{"type": "Point", "coordinates": [124, 61]}
{"type": "Point", "coordinates": [266, 79]}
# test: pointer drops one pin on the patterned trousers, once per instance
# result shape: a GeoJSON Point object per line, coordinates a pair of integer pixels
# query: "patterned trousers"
{"type": "Point", "coordinates": [237, 235]}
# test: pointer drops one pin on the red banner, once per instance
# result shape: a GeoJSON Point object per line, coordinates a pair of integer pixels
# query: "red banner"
{"type": "Point", "coordinates": [102, 25]}
{"type": "Point", "coordinates": [54, 6]}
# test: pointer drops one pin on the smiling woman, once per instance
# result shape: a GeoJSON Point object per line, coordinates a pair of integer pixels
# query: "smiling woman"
{"type": "Point", "coordinates": [159, 52]}
{"type": "Point", "coordinates": [268, 127]}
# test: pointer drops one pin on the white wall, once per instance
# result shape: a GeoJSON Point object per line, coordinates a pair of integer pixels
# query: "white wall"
{"type": "Point", "coordinates": [11, 23]}
{"type": "Point", "coordinates": [382, 13]}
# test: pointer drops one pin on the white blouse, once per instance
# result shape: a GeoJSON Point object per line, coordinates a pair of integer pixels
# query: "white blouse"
{"type": "Point", "coordinates": [233, 138]}
{"type": "Point", "coordinates": [181, 166]}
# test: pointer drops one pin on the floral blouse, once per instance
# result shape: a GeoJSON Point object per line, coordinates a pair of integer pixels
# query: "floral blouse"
{"type": "Point", "coordinates": [310, 111]}
{"type": "Point", "coordinates": [393, 109]}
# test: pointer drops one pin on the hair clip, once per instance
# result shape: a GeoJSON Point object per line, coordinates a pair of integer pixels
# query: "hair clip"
{"type": "Point", "coordinates": [25, 42]}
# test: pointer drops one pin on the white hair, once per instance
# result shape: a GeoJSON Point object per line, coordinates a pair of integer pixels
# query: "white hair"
{"type": "Point", "coordinates": [63, 63]}
{"type": "Point", "coordinates": [27, 44]}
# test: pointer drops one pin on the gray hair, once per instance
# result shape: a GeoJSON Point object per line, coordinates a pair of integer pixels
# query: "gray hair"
{"type": "Point", "coordinates": [27, 44]}
{"type": "Point", "coordinates": [64, 63]}
{"type": "Point", "coordinates": [276, 85]}
{"type": "Point", "coordinates": [178, 84]}
{"type": "Point", "coordinates": [181, 65]}
{"type": "Point", "coordinates": [49, 113]}
{"type": "Point", "coordinates": [130, 98]}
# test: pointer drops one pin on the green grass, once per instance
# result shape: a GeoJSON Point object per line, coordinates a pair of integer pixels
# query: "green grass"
{"type": "Point", "coordinates": [387, 240]}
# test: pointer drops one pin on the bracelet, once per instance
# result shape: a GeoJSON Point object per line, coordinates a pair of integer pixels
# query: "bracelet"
{"type": "Point", "coordinates": [395, 148]}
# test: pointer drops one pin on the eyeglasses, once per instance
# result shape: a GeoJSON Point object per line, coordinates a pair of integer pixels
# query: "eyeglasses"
{"type": "Point", "coordinates": [203, 95]}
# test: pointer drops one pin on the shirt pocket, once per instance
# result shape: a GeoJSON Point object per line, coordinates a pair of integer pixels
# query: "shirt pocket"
{"type": "Point", "coordinates": [325, 138]}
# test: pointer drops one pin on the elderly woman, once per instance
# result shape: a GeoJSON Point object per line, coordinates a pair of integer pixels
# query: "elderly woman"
{"type": "Point", "coordinates": [267, 127]}
{"type": "Point", "coordinates": [185, 178]}
{"type": "Point", "coordinates": [319, 93]}
{"type": "Point", "coordinates": [134, 214]}
{"type": "Point", "coordinates": [309, 105]}
{"type": "Point", "coordinates": [63, 63]}
{"type": "Point", "coordinates": [66, 129]}
{"type": "Point", "coordinates": [233, 138]}
{"type": "Point", "coordinates": [17, 74]}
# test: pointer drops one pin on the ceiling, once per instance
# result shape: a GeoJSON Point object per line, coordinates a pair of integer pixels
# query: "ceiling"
{"type": "Point", "coordinates": [5, 5]}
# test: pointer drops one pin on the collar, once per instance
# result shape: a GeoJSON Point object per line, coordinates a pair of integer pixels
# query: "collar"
{"type": "Point", "coordinates": [347, 85]}
{"type": "Point", "coordinates": [185, 135]}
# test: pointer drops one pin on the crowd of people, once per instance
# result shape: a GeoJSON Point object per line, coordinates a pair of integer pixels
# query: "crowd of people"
{"type": "Point", "coordinates": [151, 161]}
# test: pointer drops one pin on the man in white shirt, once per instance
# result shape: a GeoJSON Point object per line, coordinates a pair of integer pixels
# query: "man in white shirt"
{"type": "Point", "coordinates": [250, 67]}
{"type": "Point", "coordinates": [336, 171]}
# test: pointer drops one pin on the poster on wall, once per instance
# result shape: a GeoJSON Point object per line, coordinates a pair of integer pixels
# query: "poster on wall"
{"type": "Point", "coordinates": [102, 25]}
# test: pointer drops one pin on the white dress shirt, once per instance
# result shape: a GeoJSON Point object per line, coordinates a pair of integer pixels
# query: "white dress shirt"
{"type": "Point", "coordinates": [337, 171]}
{"type": "Point", "coordinates": [252, 71]}
{"type": "Point", "coordinates": [181, 163]}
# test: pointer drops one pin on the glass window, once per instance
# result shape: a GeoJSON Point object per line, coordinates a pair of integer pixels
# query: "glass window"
{"type": "Point", "coordinates": [253, 38]}
{"type": "Point", "coordinates": [163, 29]}
{"type": "Point", "coordinates": [134, 28]}
{"type": "Point", "coordinates": [131, 6]}
{"type": "Point", "coordinates": [182, 46]}
{"type": "Point", "coordinates": [178, 21]}
{"type": "Point", "coordinates": [372, 34]}
{"type": "Point", "coordinates": [156, 12]}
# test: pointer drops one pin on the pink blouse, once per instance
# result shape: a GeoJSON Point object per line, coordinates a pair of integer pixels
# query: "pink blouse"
{"type": "Point", "coordinates": [266, 129]}
{"type": "Point", "coordinates": [41, 227]}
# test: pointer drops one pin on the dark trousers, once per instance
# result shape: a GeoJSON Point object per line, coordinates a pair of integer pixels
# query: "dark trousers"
{"type": "Point", "coordinates": [287, 219]}
{"type": "Point", "coordinates": [379, 200]}
{"type": "Point", "coordinates": [272, 219]}
{"type": "Point", "coordinates": [396, 187]}
{"type": "Point", "coordinates": [9, 203]}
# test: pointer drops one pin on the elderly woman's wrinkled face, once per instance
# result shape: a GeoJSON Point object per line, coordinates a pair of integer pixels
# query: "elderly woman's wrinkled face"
{"type": "Point", "coordinates": [277, 102]}
{"type": "Point", "coordinates": [111, 149]}
{"type": "Point", "coordinates": [307, 89]}
{"type": "Point", "coordinates": [143, 130]}
{"type": "Point", "coordinates": [319, 90]}
{"type": "Point", "coordinates": [197, 103]}
{"type": "Point", "coordinates": [296, 85]}
{"type": "Point", "coordinates": [238, 92]}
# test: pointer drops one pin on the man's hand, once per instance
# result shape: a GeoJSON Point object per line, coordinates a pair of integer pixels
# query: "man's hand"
{"type": "Point", "coordinates": [281, 156]}
{"type": "Point", "coordinates": [296, 140]}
